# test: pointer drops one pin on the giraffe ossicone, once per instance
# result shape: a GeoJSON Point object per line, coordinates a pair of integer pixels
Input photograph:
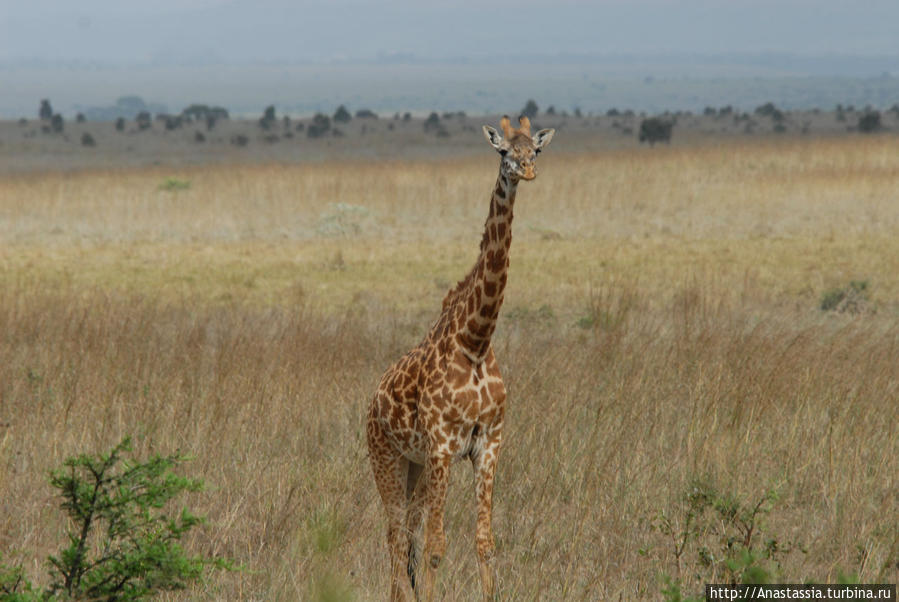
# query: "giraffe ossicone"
{"type": "Point", "coordinates": [445, 399]}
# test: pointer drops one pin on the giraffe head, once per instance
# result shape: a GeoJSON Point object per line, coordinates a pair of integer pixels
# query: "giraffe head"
{"type": "Point", "coordinates": [518, 149]}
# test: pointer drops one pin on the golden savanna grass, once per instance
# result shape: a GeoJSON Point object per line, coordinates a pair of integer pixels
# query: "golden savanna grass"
{"type": "Point", "coordinates": [662, 326]}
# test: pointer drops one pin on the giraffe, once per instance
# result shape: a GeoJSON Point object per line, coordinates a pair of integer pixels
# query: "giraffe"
{"type": "Point", "coordinates": [445, 399]}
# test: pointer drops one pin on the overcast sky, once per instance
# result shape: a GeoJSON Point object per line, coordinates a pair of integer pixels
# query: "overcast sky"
{"type": "Point", "coordinates": [127, 31]}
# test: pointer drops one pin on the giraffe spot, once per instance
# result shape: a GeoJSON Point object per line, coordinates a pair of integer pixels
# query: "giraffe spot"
{"type": "Point", "coordinates": [490, 289]}
{"type": "Point", "coordinates": [488, 311]}
{"type": "Point", "coordinates": [501, 230]}
{"type": "Point", "coordinates": [452, 414]}
{"type": "Point", "coordinates": [466, 398]}
{"type": "Point", "coordinates": [497, 261]}
{"type": "Point", "coordinates": [457, 378]}
{"type": "Point", "coordinates": [471, 412]}
{"type": "Point", "coordinates": [474, 327]}
{"type": "Point", "coordinates": [496, 390]}
{"type": "Point", "coordinates": [396, 414]}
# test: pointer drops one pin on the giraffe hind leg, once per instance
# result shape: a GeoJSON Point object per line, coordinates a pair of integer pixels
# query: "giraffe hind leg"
{"type": "Point", "coordinates": [413, 521]}
{"type": "Point", "coordinates": [390, 470]}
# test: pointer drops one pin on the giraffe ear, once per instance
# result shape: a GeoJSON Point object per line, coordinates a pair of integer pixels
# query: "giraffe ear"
{"type": "Point", "coordinates": [493, 137]}
{"type": "Point", "coordinates": [543, 137]}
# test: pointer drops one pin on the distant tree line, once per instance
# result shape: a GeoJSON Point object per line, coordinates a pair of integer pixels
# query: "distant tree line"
{"type": "Point", "coordinates": [651, 129]}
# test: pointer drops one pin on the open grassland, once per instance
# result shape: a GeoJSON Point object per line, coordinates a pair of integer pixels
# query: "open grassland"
{"type": "Point", "coordinates": [662, 335]}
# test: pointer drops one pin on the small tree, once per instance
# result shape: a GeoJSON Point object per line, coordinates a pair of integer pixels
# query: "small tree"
{"type": "Point", "coordinates": [80, 118]}
{"type": "Point", "coordinates": [769, 110]}
{"type": "Point", "coordinates": [120, 124]}
{"type": "Point", "coordinates": [87, 139]}
{"type": "Point", "coordinates": [530, 109]}
{"type": "Point", "coordinates": [655, 129]}
{"type": "Point", "coordinates": [432, 123]}
{"type": "Point", "coordinates": [268, 117]}
{"type": "Point", "coordinates": [869, 122]}
{"type": "Point", "coordinates": [342, 115]}
{"type": "Point", "coordinates": [321, 125]}
{"type": "Point", "coordinates": [122, 545]}
{"type": "Point", "coordinates": [143, 120]}
{"type": "Point", "coordinates": [46, 111]}
{"type": "Point", "coordinates": [57, 123]}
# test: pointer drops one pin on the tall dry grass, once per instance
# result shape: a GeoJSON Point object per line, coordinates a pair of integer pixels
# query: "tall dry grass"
{"type": "Point", "coordinates": [638, 360]}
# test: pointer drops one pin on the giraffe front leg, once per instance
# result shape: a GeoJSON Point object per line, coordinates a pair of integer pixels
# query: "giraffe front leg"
{"type": "Point", "coordinates": [437, 475]}
{"type": "Point", "coordinates": [484, 464]}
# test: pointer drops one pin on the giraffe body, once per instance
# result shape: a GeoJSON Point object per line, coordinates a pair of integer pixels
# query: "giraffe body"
{"type": "Point", "coordinates": [445, 399]}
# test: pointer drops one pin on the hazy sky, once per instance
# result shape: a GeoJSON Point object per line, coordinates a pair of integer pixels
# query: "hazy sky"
{"type": "Point", "coordinates": [476, 55]}
{"type": "Point", "coordinates": [173, 31]}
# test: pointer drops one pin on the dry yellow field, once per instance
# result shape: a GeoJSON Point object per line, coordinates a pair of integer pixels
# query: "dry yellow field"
{"type": "Point", "coordinates": [662, 329]}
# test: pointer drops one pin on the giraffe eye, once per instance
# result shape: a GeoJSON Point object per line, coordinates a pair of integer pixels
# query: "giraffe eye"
{"type": "Point", "coordinates": [503, 152]}
{"type": "Point", "coordinates": [537, 152]}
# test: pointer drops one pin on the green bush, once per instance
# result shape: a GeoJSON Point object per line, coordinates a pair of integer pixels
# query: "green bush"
{"type": "Point", "coordinates": [850, 299]}
{"type": "Point", "coordinates": [321, 125]}
{"type": "Point", "coordinates": [342, 115]}
{"type": "Point", "coordinates": [432, 123]}
{"type": "Point", "coordinates": [769, 110]}
{"type": "Point", "coordinates": [869, 122]}
{"type": "Point", "coordinates": [123, 544]}
{"type": "Point", "coordinates": [268, 117]}
{"type": "Point", "coordinates": [719, 538]}
{"type": "Point", "coordinates": [655, 129]}
{"type": "Point", "coordinates": [143, 120]}
{"type": "Point", "coordinates": [57, 123]}
{"type": "Point", "coordinates": [46, 110]}
{"type": "Point", "coordinates": [174, 184]}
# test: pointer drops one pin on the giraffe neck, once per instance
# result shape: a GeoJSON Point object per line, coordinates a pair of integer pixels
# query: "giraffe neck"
{"type": "Point", "coordinates": [480, 294]}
